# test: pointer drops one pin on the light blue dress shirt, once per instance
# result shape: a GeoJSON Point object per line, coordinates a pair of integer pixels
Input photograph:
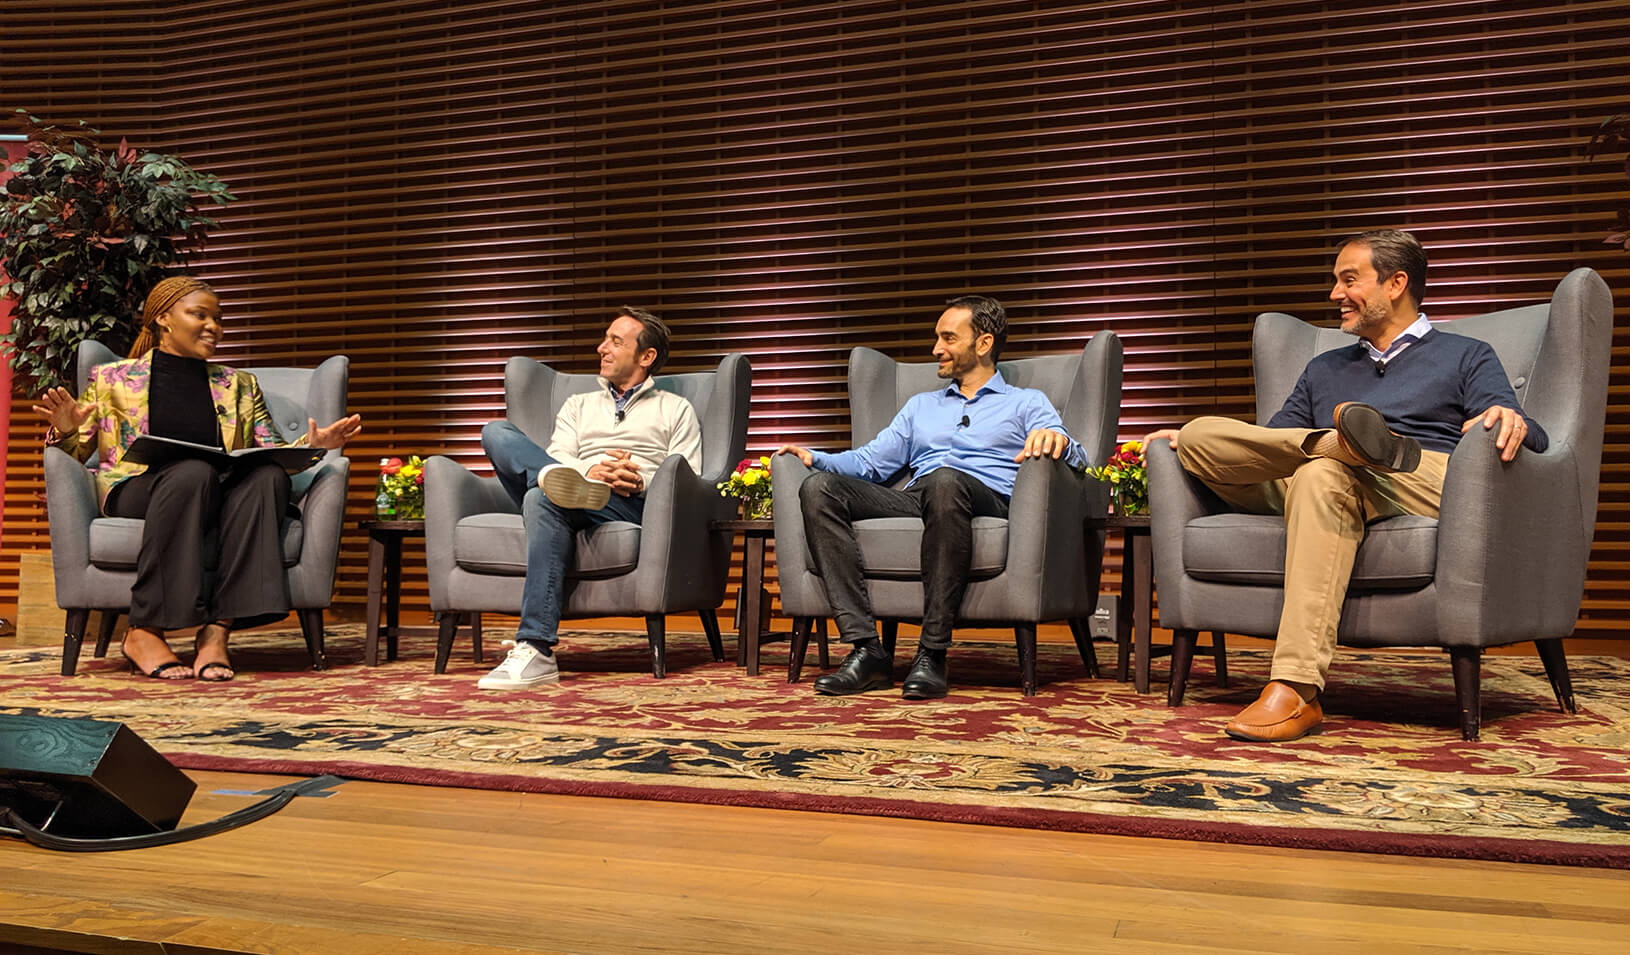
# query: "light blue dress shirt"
{"type": "Point", "coordinates": [929, 433]}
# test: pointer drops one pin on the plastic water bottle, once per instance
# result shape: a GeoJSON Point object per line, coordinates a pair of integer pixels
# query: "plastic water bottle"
{"type": "Point", "coordinates": [384, 504]}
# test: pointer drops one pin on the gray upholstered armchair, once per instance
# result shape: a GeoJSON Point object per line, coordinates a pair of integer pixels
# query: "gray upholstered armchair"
{"type": "Point", "coordinates": [1503, 563]}
{"type": "Point", "coordinates": [671, 563]}
{"type": "Point", "coordinates": [1038, 564]}
{"type": "Point", "coordinates": [94, 557]}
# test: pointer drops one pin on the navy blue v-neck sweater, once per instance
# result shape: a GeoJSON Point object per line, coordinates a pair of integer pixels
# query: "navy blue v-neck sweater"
{"type": "Point", "coordinates": [1428, 391]}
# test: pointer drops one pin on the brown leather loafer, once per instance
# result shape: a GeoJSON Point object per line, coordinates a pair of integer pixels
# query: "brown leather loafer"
{"type": "Point", "coordinates": [1277, 715]}
{"type": "Point", "coordinates": [1364, 434]}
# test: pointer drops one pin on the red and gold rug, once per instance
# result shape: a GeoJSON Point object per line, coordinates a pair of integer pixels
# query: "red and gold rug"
{"type": "Point", "coordinates": [1388, 774]}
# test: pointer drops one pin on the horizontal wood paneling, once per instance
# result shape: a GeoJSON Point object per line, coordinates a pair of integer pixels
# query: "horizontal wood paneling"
{"type": "Point", "coordinates": [431, 187]}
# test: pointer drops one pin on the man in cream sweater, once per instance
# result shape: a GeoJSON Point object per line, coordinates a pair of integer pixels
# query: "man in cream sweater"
{"type": "Point", "coordinates": [605, 445]}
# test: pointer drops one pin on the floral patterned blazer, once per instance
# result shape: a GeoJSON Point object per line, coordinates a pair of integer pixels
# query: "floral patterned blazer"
{"type": "Point", "coordinates": [117, 393]}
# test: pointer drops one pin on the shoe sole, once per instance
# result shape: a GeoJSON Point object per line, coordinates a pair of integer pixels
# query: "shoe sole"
{"type": "Point", "coordinates": [567, 488]}
{"type": "Point", "coordinates": [1365, 433]}
{"type": "Point", "coordinates": [486, 684]}
{"type": "Point", "coordinates": [832, 691]}
{"type": "Point", "coordinates": [906, 694]}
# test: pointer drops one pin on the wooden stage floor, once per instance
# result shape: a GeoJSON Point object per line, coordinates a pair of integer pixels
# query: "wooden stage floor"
{"type": "Point", "coordinates": [382, 868]}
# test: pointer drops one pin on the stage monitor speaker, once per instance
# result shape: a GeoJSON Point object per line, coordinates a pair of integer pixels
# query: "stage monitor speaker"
{"type": "Point", "coordinates": [88, 779]}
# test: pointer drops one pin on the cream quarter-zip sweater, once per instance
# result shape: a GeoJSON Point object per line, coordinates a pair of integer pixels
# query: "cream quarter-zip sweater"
{"type": "Point", "coordinates": [654, 425]}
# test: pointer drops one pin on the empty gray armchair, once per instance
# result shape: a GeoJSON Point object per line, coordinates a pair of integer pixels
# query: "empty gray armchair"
{"type": "Point", "coordinates": [1040, 563]}
{"type": "Point", "coordinates": [94, 557]}
{"type": "Point", "coordinates": [1503, 563]}
{"type": "Point", "coordinates": [670, 563]}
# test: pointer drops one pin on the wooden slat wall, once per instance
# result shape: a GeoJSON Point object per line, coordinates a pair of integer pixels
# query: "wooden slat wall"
{"type": "Point", "coordinates": [431, 187]}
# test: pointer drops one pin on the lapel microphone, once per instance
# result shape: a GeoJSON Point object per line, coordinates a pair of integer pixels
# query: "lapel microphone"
{"type": "Point", "coordinates": [963, 423]}
{"type": "Point", "coordinates": [1380, 369]}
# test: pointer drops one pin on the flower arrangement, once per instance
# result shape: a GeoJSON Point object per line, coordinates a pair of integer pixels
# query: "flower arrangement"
{"type": "Point", "coordinates": [401, 489]}
{"type": "Point", "coordinates": [1127, 479]}
{"type": "Point", "coordinates": [751, 482]}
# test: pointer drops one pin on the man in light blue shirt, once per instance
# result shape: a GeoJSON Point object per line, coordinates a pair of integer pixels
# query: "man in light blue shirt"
{"type": "Point", "coordinates": [961, 447]}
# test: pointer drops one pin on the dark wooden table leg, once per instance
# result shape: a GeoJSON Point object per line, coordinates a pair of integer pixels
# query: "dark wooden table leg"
{"type": "Point", "coordinates": [1142, 584]}
{"type": "Point", "coordinates": [1123, 613]}
{"type": "Point", "coordinates": [393, 593]}
{"type": "Point", "coordinates": [752, 585]}
{"type": "Point", "coordinates": [376, 579]}
{"type": "Point", "coordinates": [475, 637]}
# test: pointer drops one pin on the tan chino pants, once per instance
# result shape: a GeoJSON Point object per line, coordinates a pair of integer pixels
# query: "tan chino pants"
{"type": "Point", "coordinates": [1326, 505]}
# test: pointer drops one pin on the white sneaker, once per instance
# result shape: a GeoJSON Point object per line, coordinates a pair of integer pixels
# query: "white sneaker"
{"type": "Point", "coordinates": [523, 667]}
{"type": "Point", "coordinates": [566, 487]}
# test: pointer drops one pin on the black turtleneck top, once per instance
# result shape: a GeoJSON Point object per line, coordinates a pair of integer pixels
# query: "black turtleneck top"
{"type": "Point", "coordinates": [180, 405]}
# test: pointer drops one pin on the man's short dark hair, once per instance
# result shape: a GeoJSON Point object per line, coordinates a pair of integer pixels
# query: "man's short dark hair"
{"type": "Point", "coordinates": [1393, 251]}
{"type": "Point", "coordinates": [989, 318]}
{"type": "Point", "coordinates": [653, 334]}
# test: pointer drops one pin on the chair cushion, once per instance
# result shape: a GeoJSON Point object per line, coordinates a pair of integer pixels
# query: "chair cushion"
{"type": "Point", "coordinates": [496, 544]}
{"type": "Point", "coordinates": [1399, 553]}
{"type": "Point", "coordinates": [891, 547]}
{"type": "Point", "coordinates": [115, 542]}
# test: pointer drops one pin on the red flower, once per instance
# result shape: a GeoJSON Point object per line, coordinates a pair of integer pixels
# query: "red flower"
{"type": "Point", "coordinates": [418, 478]}
{"type": "Point", "coordinates": [391, 466]}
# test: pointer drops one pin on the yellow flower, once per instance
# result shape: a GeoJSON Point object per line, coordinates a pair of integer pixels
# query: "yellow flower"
{"type": "Point", "coordinates": [765, 460]}
{"type": "Point", "coordinates": [752, 477]}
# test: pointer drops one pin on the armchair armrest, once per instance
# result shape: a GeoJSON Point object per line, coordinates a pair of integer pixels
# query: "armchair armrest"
{"type": "Point", "coordinates": [70, 506]}
{"type": "Point", "coordinates": [1512, 544]}
{"type": "Point", "coordinates": [1048, 561]}
{"type": "Point", "coordinates": [1175, 498]}
{"type": "Point", "coordinates": [802, 593]}
{"type": "Point", "coordinates": [682, 563]}
{"type": "Point", "coordinates": [452, 493]}
{"type": "Point", "coordinates": [322, 512]}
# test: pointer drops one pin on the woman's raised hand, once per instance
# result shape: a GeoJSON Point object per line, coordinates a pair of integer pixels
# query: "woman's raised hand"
{"type": "Point", "coordinates": [336, 434]}
{"type": "Point", "coordinates": [59, 407]}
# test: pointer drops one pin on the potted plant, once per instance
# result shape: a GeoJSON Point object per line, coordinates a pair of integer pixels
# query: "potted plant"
{"type": "Point", "coordinates": [84, 235]}
{"type": "Point", "coordinates": [1614, 135]}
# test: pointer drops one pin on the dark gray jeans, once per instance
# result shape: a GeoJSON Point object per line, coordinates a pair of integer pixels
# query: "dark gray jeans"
{"type": "Point", "coordinates": [947, 501]}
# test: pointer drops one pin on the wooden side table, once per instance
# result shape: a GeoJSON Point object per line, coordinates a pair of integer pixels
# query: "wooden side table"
{"type": "Point", "coordinates": [1137, 594]}
{"type": "Point", "coordinates": [385, 581]}
{"type": "Point", "coordinates": [754, 598]}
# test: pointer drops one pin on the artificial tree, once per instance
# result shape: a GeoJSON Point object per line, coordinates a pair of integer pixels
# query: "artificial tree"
{"type": "Point", "coordinates": [84, 235]}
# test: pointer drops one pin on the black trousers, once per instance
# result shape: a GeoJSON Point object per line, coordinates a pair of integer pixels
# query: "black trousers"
{"type": "Point", "coordinates": [947, 501]}
{"type": "Point", "coordinates": [211, 547]}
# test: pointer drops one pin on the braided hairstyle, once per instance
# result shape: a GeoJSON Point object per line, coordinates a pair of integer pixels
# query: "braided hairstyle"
{"type": "Point", "coordinates": [160, 300]}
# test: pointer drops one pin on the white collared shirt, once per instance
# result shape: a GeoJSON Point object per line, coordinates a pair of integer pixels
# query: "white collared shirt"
{"type": "Point", "coordinates": [1409, 336]}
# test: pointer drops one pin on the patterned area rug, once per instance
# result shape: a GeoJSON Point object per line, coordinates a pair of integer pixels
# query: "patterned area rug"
{"type": "Point", "coordinates": [1388, 774]}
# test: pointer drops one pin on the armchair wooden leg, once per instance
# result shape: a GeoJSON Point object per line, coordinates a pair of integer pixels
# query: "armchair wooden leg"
{"type": "Point", "coordinates": [475, 638]}
{"type": "Point", "coordinates": [73, 634]}
{"type": "Point", "coordinates": [1556, 670]}
{"type": "Point", "coordinates": [104, 633]}
{"type": "Point", "coordinates": [891, 634]}
{"type": "Point", "coordinates": [820, 638]}
{"type": "Point", "coordinates": [715, 642]}
{"type": "Point", "coordinates": [656, 630]}
{"type": "Point", "coordinates": [1468, 689]}
{"type": "Point", "coordinates": [311, 625]}
{"type": "Point", "coordinates": [1024, 634]}
{"type": "Point", "coordinates": [448, 622]}
{"type": "Point", "coordinates": [1219, 657]}
{"type": "Point", "coordinates": [1083, 643]}
{"type": "Point", "coordinates": [796, 647]}
{"type": "Point", "coordinates": [1183, 642]}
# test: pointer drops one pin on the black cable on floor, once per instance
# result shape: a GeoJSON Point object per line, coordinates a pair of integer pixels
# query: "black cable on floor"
{"type": "Point", "coordinates": [45, 840]}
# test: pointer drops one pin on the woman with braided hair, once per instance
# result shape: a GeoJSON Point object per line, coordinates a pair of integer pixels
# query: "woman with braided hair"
{"type": "Point", "coordinates": [211, 549]}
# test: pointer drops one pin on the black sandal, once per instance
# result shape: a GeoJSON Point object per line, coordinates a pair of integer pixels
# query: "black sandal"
{"type": "Point", "coordinates": [205, 670]}
{"type": "Point", "coordinates": [158, 671]}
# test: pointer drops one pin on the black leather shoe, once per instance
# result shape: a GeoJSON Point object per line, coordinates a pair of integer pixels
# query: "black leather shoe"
{"type": "Point", "coordinates": [861, 671]}
{"type": "Point", "coordinates": [928, 677]}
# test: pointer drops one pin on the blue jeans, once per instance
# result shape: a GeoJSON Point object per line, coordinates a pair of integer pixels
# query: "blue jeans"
{"type": "Point", "coordinates": [551, 530]}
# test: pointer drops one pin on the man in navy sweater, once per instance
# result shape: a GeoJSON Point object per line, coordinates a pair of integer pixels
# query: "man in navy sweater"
{"type": "Point", "coordinates": [1365, 434]}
